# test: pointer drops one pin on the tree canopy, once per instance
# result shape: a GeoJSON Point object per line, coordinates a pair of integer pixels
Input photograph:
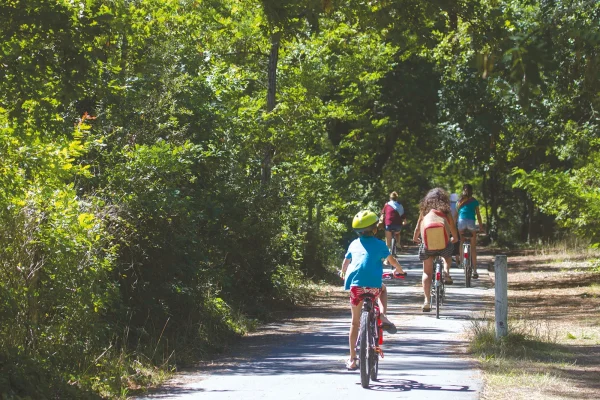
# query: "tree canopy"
{"type": "Point", "coordinates": [172, 169]}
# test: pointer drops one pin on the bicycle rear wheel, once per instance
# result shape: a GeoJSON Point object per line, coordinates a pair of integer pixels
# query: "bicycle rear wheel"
{"type": "Point", "coordinates": [438, 301]}
{"type": "Point", "coordinates": [438, 277]}
{"type": "Point", "coordinates": [374, 366]}
{"type": "Point", "coordinates": [467, 263]}
{"type": "Point", "coordinates": [364, 349]}
{"type": "Point", "coordinates": [393, 244]}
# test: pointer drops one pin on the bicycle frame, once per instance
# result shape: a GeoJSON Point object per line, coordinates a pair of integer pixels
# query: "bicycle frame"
{"type": "Point", "coordinates": [369, 356]}
{"type": "Point", "coordinates": [467, 257]}
{"type": "Point", "coordinates": [393, 242]}
{"type": "Point", "coordinates": [438, 289]}
{"type": "Point", "coordinates": [371, 307]}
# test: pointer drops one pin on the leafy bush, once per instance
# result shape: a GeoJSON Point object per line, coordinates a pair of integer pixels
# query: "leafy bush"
{"type": "Point", "coordinates": [55, 258]}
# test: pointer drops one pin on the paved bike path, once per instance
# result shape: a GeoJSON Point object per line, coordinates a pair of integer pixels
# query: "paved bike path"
{"type": "Point", "coordinates": [423, 360]}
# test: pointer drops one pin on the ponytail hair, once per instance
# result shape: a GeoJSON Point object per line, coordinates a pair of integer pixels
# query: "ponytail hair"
{"type": "Point", "coordinates": [467, 193]}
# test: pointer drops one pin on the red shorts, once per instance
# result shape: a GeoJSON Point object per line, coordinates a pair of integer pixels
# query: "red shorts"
{"type": "Point", "coordinates": [357, 291]}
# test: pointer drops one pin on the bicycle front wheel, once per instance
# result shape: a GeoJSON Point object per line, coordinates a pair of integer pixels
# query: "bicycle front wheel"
{"type": "Point", "coordinates": [364, 349]}
{"type": "Point", "coordinates": [373, 356]}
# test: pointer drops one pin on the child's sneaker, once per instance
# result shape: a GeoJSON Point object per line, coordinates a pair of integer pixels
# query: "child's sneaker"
{"type": "Point", "coordinates": [387, 324]}
{"type": "Point", "coordinates": [352, 365]}
{"type": "Point", "coordinates": [426, 307]}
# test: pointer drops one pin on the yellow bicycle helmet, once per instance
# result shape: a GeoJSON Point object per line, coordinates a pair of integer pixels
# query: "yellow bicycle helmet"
{"type": "Point", "coordinates": [364, 220]}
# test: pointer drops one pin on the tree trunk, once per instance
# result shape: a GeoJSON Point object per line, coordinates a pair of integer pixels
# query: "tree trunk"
{"type": "Point", "coordinates": [530, 211]}
{"type": "Point", "coordinates": [493, 204]}
{"type": "Point", "coordinates": [269, 149]}
{"type": "Point", "coordinates": [309, 239]}
{"type": "Point", "coordinates": [485, 203]}
{"type": "Point", "coordinates": [124, 55]}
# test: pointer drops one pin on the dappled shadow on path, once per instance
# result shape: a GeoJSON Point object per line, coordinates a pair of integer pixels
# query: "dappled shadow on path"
{"type": "Point", "coordinates": [322, 353]}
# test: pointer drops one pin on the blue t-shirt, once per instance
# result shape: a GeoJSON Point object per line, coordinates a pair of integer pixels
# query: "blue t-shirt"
{"type": "Point", "coordinates": [366, 265]}
{"type": "Point", "coordinates": [467, 210]}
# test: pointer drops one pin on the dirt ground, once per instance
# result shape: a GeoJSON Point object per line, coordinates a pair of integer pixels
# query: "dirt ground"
{"type": "Point", "coordinates": [554, 296]}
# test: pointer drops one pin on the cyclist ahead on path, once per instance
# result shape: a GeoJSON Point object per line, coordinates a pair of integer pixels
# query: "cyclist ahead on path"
{"type": "Point", "coordinates": [394, 218]}
{"type": "Point", "coordinates": [467, 208]}
{"type": "Point", "coordinates": [453, 200]}
{"type": "Point", "coordinates": [362, 269]}
{"type": "Point", "coordinates": [438, 234]}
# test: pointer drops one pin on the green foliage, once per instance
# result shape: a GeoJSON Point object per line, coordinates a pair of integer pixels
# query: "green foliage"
{"type": "Point", "coordinates": [132, 137]}
{"type": "Point", "coordinates": [56, 258]}
{"type": "Point", "coordinates": [572, 196]}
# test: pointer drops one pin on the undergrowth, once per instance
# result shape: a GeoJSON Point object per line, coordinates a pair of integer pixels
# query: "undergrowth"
{"type": "Point", "coordinates": [122, 370]}
{"type": "Point", "coordinates": [526, 340]}
{"type": "Point", "coordinates": [524, 364]}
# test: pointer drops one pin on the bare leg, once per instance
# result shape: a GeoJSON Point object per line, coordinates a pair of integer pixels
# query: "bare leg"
{"type": "Point", "coordinates": [474, 252]}
{"type": "Point", "coordinates": [388, 239]}
{"type": "Point", "coordinates": [427, 275]}
{"type": "Point", "coordinates": [356, 311]}
{"type": "Point", "coordinates": [383, 299]}
{"type": "Point", "coordinates": [447, 263]}
{"type": "Point", "coordinates": [398, 243]}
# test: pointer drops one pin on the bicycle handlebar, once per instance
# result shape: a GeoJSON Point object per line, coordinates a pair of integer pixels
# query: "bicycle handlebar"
{"type": "Point", "coordinates": [393, 275]}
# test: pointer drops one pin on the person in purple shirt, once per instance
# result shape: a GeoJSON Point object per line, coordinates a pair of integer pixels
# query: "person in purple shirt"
{"type": "Point", "coordinates": [393, 217]}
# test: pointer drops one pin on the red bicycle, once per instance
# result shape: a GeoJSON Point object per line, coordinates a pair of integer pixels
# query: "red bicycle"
{"type": "Point", "coordinates": [370, 335]}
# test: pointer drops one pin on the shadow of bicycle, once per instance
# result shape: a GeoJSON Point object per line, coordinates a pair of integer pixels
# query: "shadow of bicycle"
{"type": "Point", "coordinates": [405, 385]}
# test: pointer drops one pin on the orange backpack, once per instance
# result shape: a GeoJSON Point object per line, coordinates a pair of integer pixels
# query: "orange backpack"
{"type": "Point", "coordinates": [435, 230]}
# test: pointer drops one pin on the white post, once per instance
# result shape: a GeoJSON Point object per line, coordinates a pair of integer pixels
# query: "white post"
{"type": "Point", "coordinates": [500, 267]}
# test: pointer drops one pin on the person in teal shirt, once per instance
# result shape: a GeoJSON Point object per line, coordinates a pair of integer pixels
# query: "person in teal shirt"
{"type": "Point", "coordinates": [362, 272]}
{"type": "Point", "coordinates": [468, 208]}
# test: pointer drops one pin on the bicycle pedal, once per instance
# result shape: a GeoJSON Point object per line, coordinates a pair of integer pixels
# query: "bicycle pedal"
{"type": "Point", "coordinates": [379, 351]}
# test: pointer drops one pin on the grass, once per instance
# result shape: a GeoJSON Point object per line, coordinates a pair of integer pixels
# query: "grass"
{"type": "Point", "coordinates": [525, 364]}
{"type": "Point", "coordinates": [526, 340]}
{"type": "Point", "coordinates": [552, 349]}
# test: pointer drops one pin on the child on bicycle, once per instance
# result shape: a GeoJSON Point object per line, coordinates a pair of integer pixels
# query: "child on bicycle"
{"type": "Point", "coordinates": [438, 234]}
{"type": "Point", "coordinates": [362, 269]}
{"type": "Point", "coordinates": [394, 218]}
{"type": "Point", "coordinates": [467, 208]}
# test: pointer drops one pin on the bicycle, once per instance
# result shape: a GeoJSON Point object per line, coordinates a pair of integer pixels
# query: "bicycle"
{"type": "Point", "coordinates": [438, 288]}
{"type": "Point", "coordinates": [467, 262]}
{"type": "Point", "coordinates": [394, 251]}
{"type": "Point", "coordinates": [370, 337]}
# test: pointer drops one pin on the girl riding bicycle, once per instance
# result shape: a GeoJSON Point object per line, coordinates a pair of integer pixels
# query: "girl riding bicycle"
{"type": "Point", "coordinates": [435, 224]}
{"type": "Point", "coordinates": [364, 264]}
{"type": "Point", "coordinates": [393, 217]}
{"type": "Point", "coordinates": [467, 208]}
